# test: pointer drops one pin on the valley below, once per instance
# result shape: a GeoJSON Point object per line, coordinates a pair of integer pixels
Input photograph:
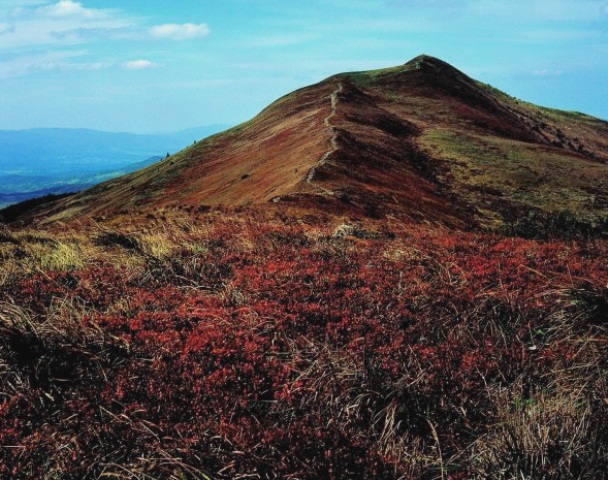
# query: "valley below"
{"type": "Point", "coordinates": [55, 161]}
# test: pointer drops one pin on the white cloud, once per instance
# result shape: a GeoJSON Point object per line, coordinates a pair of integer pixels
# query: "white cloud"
{"type": "Point", "coordinates": [140, 65]}
{"type": "Point", "coordinates": [176, 31]}
{"type": "Point", "coordinates": [67, 8]}
{"type": "Point", "coordinates": [40, 35]}
{"type": "Point", "coordinates": [61, 23]}
{"type": "Point", "coordinates": [13, 8]}
{"type": "Point", "coordinates": [49, 61]}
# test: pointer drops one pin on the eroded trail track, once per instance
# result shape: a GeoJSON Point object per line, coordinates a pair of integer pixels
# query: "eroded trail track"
{"type": "Point", "coordinates": [333, 142]}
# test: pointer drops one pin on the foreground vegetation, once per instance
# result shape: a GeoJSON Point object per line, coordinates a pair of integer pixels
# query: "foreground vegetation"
{"type": "Point", "coordinates": [260, 343]}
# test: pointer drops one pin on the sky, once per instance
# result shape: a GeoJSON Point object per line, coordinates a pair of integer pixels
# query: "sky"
{"type": "Point", "coordinates": [159, 66]}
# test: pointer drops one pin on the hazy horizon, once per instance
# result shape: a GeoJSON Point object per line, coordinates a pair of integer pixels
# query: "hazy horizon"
{"type": "Point", "coordinates": [147, 67]}
{"type": "Point", "coordinates": [150, 133]}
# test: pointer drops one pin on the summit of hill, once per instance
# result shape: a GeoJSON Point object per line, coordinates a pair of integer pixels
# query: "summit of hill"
{"type": "Point", "coordinates": [422, 140]}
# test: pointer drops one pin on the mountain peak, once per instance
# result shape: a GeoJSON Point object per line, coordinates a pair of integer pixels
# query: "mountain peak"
{"type": "Point", "coordinates": [422, 139]}
{"type": "Point", "coordinates": [423, 59]}
{"type": "Point", "coordinates": [435, 66]}
{"type": "Point", "coordinates": [429, 63]}
{"type": "Point", "coordinates": [423, 74]}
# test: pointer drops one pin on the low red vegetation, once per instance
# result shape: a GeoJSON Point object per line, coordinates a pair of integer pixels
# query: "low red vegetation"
{"type": "Point", "coordinates": [382, 353]}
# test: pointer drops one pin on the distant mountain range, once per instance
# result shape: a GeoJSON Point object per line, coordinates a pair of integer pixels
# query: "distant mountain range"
{"type": "Point", "coordinates": [43, 161]}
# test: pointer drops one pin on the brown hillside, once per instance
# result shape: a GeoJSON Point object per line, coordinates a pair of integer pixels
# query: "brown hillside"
{"type": "Point", "coordinates": [422, 139]}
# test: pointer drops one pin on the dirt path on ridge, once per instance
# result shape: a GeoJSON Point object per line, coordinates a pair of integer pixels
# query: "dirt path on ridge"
{"type": "Point", "coordinates": [333, 142]}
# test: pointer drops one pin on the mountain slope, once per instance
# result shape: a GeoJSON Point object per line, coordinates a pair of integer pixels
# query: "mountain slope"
{"type": "Point", "coordinates": [422, 139]}
{"type": "Point", "coordinates": [41, 161]}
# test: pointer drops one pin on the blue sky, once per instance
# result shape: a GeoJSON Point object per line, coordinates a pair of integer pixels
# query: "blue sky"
{"type": "Point", "coordinates": [151, 66]}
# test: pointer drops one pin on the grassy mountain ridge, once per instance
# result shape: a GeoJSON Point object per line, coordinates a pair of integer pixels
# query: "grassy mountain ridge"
{"type": "Point", "coordinates": [423, 139]}
{"type": "Point", "coordinates": [388, 275]}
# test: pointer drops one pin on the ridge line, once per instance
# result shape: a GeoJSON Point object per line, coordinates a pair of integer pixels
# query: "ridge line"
{"type": "Point", "coordinates": [333, 142]}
